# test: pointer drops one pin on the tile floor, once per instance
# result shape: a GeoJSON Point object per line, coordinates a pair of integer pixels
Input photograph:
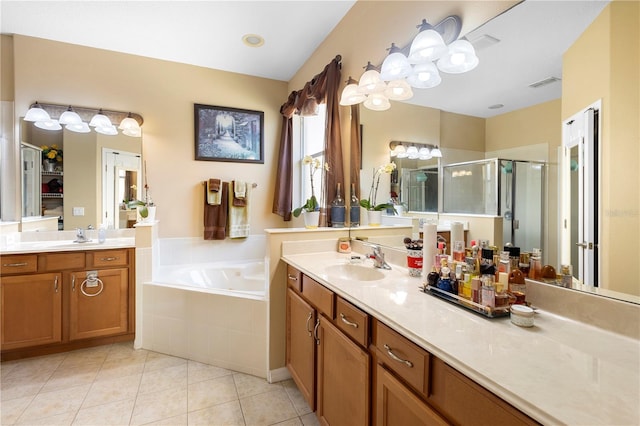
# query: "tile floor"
{"type": "Point", "coordinates": [117, 385]}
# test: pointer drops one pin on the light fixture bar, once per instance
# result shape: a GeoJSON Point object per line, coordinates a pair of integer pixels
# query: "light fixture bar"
{"type": "Point", "coordinates": [56, 110]}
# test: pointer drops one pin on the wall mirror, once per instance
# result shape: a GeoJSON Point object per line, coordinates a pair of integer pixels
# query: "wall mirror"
{"type": "Point", "coordinates": [576, 255]}
{"type": "Point", "coordinates": [414, 183]}
{"type": "Point", "coordinates": [98, 173]}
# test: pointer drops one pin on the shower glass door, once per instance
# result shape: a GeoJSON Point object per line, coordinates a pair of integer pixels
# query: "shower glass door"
{"type": "Point", "coordinates": [522, 203]}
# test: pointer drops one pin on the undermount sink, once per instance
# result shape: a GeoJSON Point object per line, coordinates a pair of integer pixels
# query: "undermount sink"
{"type": "Point", "coordinates": [354, 272]}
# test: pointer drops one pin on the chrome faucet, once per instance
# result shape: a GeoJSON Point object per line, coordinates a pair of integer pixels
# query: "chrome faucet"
{"type": "Point", "coordinates": [378, 257]}
{"type": "Point", "coordinates": [81, 237]}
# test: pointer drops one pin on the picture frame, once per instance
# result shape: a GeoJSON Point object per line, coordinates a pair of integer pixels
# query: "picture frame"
{"type": "Point", "coordinates": [228, 134]}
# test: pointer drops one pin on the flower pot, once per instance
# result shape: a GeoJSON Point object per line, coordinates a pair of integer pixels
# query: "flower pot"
{"type": "Point", "coordinates": [375, 217]}
{"type": "Point", "coordinates": [311, 219]}
{"type": "Point", "coordinates": [49, 165]}
{"type": "Point", "coordinates": [151, 217]}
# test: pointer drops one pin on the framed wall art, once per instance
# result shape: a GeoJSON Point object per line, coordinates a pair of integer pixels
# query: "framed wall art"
{"type": "Point", "coordinates": [228, 134]}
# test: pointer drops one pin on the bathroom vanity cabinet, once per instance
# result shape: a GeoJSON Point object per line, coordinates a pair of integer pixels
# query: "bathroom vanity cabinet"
{"type": "Point", "coordinates": [58, 301]}
{"type": "Point", "coordinates": [327, 351]}
{"type": "Point", "coordinates": [361, 371]}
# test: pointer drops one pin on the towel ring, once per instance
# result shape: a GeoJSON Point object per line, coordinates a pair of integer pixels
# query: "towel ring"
{"type": "Point", "coordinates": [92, 280]}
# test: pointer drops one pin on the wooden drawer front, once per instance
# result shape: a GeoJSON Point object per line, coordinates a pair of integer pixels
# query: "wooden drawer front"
{"type": "Point", "coordinates": [352, 321]}
{"type": "Point", "coordinates": [405, 358]}
{"type": "Point", "coordinates": [466, 402]}
{"type": "Point", "coordinates": [51, 262]}
{"type": "Point", "coordinates": [104, 258]}
{"type": "Point", "coordinates": [397, 405]}
{"type": "Point", "coordinates": [318, 295]}
{"type": "Point", "coordinates": [19, 264]}
{"type": "Point", "coordinates": [294, 278]}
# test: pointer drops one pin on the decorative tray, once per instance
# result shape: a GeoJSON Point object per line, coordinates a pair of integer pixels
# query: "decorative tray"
{"type": "Point", "coordinates": [487, 311]}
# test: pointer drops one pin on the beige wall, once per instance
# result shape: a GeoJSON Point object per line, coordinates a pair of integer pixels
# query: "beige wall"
{"type": "Point", "coordinates": [6, 70]}
{"type": "Point", "coordinates": [604, 63]}
{"type": "Point", "coordinates": [163, 93]}
{"type": "Point", "coordinates": [459, 131]}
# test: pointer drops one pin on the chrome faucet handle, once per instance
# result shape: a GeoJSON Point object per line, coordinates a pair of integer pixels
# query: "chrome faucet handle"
{"type": "Point", "coordinates": [90, 227]}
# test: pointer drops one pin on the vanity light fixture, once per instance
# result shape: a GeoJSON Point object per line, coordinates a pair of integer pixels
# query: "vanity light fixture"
{"type": "Point", "coordinates": [414, 150]}
{"type": "Point", "coordinates": [69, 117]}
{"type": "Point", "coordinates": [100, 120]}
{"type": "Point", "coordinates": [81, 127]}
{"type": "Point", "coordinates": [36, 113]}
{"type": "Point", "coordinates": [435, 48]}
{"type": "Point", "coordinates": [370, 81]}
{"type": "Point", "coordinates": [109, 130]}
{"type": "Point", "coordinates": [49, 124]}
{"type": "Point", "coordinates": [350, 94]}
{"type": "Point", "coordinates": [75, 119]}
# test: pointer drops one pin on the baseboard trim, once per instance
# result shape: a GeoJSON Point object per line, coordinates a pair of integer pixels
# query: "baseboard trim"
{"type": "Point", "coordinates": [278, 375]}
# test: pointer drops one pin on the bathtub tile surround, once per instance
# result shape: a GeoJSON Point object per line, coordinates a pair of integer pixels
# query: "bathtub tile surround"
{"type": "Point", "coordinates": [206, 325]}
{"type": "Point", "coordinates": [123, 386]}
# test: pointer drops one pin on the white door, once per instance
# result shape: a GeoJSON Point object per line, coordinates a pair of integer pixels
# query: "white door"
{"type": "Point", "coordinates": [579, 194]}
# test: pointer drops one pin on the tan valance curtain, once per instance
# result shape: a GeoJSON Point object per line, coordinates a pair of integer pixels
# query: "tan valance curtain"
{"type": "Point", "coordinates": [323, 88]}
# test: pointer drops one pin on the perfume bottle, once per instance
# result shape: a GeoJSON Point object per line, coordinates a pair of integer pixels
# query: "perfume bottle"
{"type": "Point", "coordinates": [354, 207]}
{"type": "Point", "coordinates": [338, 209]}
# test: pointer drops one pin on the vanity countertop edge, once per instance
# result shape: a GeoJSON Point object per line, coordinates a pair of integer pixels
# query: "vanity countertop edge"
{"type": "Point", "coordinates": [65, 245]}
{"type": "Point", "coordinates": [558, 372]}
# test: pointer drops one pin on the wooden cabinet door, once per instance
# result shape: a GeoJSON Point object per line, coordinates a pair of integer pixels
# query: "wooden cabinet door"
{"type": "Point", "coordinates": [99, 308]}
{"type": "Point", "coordinates": [397, 405]}
{"type": "Point", "coordinates": [343, 378]}
{"type": "Point", "coordinates": [31, 310]}
{"type": "Point", "coordinates": [301, 345]}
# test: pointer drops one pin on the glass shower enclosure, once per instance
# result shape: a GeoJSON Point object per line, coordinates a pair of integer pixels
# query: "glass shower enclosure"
{"type": "Point", "coordinates": [513, 189]}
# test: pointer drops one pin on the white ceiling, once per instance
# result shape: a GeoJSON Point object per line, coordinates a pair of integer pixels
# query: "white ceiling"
{"type": "Point", "coordinates": [534, 35]}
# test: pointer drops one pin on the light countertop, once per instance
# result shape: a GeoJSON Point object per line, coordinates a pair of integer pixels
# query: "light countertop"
{"type": "Point", "coordinates": [558, 372]}
{"type": "Point", "coordinates": [65, 245]}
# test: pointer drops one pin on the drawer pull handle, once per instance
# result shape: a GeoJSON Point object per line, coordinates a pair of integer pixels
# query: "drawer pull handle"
{"type": "Point", "coordinates": [55, 283]}
{"type": "Point", "coordinates": [15, 265]}
{"type": "Point", "coordinates": [108, 259]}
{"type": "Point", "coordinates": [315, 332]}
{"type": "Point", "coordinates": [397, 358]}
{"type": "Point", "coordinates": [92, 280]}
{"type": "Point", "coordinates": [73, 282]}
{"type": "Point", "coordinates": [292, 277]}
{"type": "Point", "coordinates": [346, 321]}
{"type": "Point", "coordinates": [308, 320]}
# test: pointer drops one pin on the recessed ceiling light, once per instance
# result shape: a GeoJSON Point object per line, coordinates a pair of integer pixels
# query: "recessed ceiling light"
{"type": "Point", "coordinates": [496, 106]}
{"type": "Point", "coordinates": [252, 40]}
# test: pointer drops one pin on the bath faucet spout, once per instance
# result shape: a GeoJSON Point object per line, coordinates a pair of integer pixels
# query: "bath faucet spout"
{"type": "Point", "coordinates": [378, 257]}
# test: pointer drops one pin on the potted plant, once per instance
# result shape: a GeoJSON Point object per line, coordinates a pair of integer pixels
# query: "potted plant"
{"type": "Point", "coordinates": [311, 207]}
{"type": "Point", "coordinates": [146, 209]}
{"type": "Point", "coordinates": [50, 156]}
{"type": "Point", "coordinates": [374, 210]}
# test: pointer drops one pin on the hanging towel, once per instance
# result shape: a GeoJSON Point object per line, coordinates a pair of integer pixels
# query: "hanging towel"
{"type": "Point", "coordinates": [214, 195]}
{"type": "Point", "coordinates": [239, 193]}
{"type": "Point", "coordinates": [215, 216]}
{"type": "Point", "coordinates": [238, 215]}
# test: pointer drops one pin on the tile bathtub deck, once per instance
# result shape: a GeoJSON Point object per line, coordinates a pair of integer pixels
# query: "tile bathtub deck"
{"type": "Point", "coordinates": [117, 385]}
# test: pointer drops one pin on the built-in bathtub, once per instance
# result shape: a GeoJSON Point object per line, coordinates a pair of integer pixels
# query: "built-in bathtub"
{"type": "Point", "coordinates": [207, 302]}
{"type": "Point", "coordinates": [245, 279]}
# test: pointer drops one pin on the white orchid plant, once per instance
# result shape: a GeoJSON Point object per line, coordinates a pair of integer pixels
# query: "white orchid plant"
{"type": "Point", "coordinates": [370, 203]}
{"type": "Point", "coordinates": [312, 202]}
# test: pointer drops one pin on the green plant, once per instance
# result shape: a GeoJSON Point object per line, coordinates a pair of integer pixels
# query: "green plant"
{"type": "Point", "coordinates": [144, 211]}
{"type": "Point", "coordinates": [311, 204]}
{"type": "Point", "coordinates": [370, 202]}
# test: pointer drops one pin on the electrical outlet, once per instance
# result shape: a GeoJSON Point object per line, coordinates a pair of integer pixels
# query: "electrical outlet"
{"type": "Point", "coordinates": [78, 211]}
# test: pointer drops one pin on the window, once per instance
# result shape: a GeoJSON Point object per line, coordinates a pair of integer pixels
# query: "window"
{"type": "Point", "coordinates": [311, 137]}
